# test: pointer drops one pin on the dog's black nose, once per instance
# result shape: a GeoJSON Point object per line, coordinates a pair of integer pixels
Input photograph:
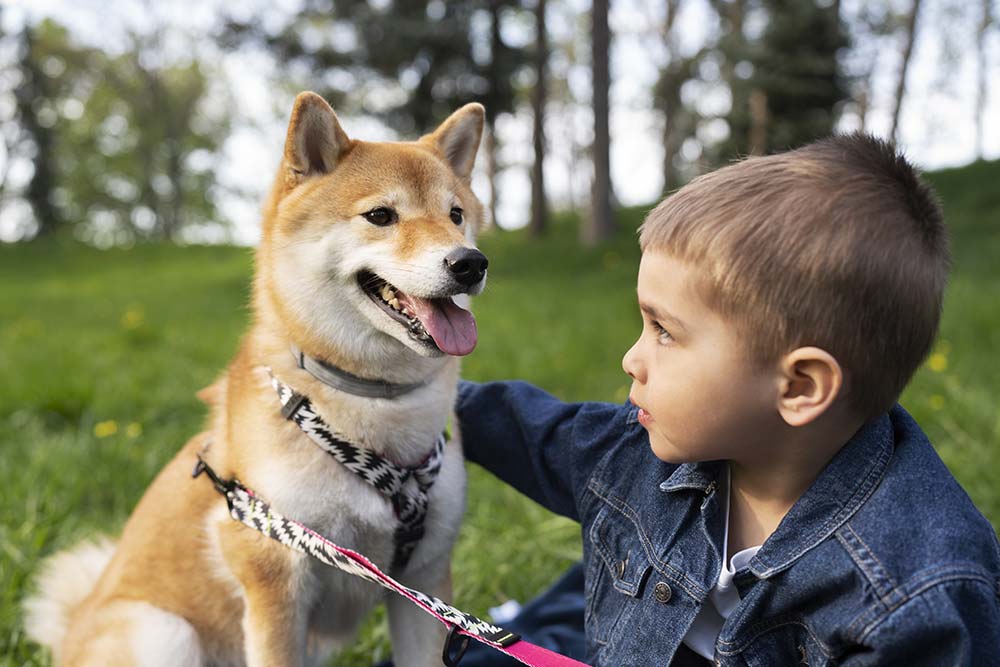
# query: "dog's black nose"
{"type": "Point", "coordinates": [467, 265]}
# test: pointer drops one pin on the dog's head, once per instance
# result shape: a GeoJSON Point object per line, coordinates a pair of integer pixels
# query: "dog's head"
{"type": "Point", "coordinates": [367, 246]}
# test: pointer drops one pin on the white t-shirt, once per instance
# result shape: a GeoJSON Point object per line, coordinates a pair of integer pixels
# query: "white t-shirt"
{"type": "Point", "coordinates": [722, 599]}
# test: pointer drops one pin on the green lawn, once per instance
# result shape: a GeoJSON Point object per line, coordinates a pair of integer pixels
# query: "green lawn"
{"type": "Point", "coordinates": [101, 353]}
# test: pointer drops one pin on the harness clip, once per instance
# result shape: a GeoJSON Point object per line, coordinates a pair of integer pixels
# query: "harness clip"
{"type": "Point", "coordinates": [221, 485]}
{"type": "Point", "coordinates": [289, 409]}
{"type": "Point", "coordinates": [455, 646]}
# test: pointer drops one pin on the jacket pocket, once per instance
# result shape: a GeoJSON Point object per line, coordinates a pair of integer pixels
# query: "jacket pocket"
{"type": "Point", "coordinates": [788, 643]}
{"type": "Point", "coordinates": [616, 573]}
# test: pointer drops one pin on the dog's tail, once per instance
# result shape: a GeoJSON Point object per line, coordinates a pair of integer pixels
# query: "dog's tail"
{"type": "Point", "coordinates": [63, 582]}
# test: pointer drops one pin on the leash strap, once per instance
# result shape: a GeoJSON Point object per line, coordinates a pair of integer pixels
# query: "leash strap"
{"type": "Point", "coordinates": [409, 499]}
{"type": "Point", "coordinates": [251, 511]}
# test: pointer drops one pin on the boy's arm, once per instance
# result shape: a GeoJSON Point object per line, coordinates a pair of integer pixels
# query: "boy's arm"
{"type": "Point", "coordinates": [955, 622]}
{"type": "Point", "coordinates": [544, 448]}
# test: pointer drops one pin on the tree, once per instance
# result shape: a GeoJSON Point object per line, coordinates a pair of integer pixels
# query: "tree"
{"type": "Point", "coordinates": [733, 50]}
{"type": "Point", "coordinates": [409, 64]}
{"type": "Point", "coordinates": [678, 120]}
{"type": "Point", "coordinates": [909, 37]}
{"type": "Point", "coordinates": [985, 21]}
{"type": "Point", "coordinates": [600, 226]}
{"type": "Point", "coordinates": [131, 147]}
{"type": "Point", "coordinates": [36, 116]}
{"type": "Point", "coordinates": [499, 97]}
{"type": "Point", "coordinates": [539, 213]}
{"type": "Point", "coordinates": [795, 88]}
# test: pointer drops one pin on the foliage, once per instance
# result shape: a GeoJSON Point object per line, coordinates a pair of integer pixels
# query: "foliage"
{"type": "Point", "coordinates": [102, 352]}
{"type": "Point", "coordinates": [131, 145]}
{"type": "Point", "coordinates": [409, 63]}
{"type": "Point", "coordinates": [795, 74]}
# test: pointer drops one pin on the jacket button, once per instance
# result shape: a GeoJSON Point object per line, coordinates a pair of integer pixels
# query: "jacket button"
{"type": "Point", "coordinates": [662, 592]}
{"type": "Point", "coordinates": [621, 568]}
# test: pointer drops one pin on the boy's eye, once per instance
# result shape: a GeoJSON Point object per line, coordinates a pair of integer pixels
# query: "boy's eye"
{"type": "Point", "coordinates": [662, 334]}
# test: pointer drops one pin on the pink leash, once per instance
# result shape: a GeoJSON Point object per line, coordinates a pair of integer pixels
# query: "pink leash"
{"type": "Point", "coordinates": [248, 509]}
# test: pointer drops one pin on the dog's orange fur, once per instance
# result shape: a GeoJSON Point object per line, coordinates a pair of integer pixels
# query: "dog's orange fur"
{"type": "Point", "coordinates": [180, 552]}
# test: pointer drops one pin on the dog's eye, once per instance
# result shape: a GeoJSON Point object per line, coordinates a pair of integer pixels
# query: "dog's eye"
{"type": "Point", "coordinates": [380, 216]}
{"type": "Point", "coordinates": [456, 215]}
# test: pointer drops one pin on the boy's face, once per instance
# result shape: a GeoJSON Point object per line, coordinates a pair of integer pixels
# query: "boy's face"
{"type": "Point", "coordinates": [700, 397]}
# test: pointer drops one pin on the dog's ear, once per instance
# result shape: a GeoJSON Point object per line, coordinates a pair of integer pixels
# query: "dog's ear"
{"type": "Point", "coordinates": [315, 140]}
{"type": "Point", "coordinates": [458, 137]}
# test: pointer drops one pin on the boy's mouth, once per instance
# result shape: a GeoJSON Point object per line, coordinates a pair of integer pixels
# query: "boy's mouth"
{"type": "Point", "coordinates": [643, 417]}
{"type": "Point", "coordinates": [437, 322]}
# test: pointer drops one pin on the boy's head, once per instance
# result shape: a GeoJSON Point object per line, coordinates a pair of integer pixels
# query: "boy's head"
{"type": "Point", "coordinates": [838, 247]}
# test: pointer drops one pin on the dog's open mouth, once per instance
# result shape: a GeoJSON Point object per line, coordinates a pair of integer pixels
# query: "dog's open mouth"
{"type": "Point", "coordinates": [437, 322]}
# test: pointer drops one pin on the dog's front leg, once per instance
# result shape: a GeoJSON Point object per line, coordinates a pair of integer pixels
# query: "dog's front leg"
{"type": "Point", "coordinates": [418, 637]}
{"type": "Point", "coordinates": [274, 628]}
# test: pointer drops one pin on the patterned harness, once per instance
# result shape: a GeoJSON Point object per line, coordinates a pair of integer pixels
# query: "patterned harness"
{"type": "Point", "coordinates": [406, 488]}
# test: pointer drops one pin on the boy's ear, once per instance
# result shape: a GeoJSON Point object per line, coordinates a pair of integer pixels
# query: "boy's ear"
{"type": "Point", "coordinates": [458, 137]}
{"type": "Point", "coordinates": [315, 140]}
{"type": "Point", "coordinates": [811, 380]}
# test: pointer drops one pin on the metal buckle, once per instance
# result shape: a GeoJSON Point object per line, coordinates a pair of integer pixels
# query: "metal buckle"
{"type": "Point", "coordinates": [295, 402]}
{"type": "Point", "coordinates": [453, 654]}
{"type": "Point", "coordinates": [221, 485]}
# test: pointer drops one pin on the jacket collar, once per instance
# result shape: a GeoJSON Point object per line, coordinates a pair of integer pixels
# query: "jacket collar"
{"type": "Point", "coordinates": [840, 490]}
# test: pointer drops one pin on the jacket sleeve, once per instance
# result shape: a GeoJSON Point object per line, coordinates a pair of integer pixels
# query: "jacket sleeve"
{"type": "Point", "coordinates": [544, 448]}
{"type": "Point", "coordinates": [955, 622]}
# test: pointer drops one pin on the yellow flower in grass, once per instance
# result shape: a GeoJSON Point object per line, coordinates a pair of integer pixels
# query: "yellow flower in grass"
{"type": "Point", "coordinates": [133, 430]}
{"type": "Point", "coordinates": [936, 401]}
{"type": "Point", "coordinates": [105, 428]}
{"type": "Point", "coordinates": [938, 362]}
{"type": "Point", "coordinates": [133, 318]}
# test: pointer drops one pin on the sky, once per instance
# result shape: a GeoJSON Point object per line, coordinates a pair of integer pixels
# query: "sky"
{"type": "Point", "coordinates": [937, 125]}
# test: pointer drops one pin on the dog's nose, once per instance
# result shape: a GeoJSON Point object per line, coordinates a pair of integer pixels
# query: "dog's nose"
{"type": "Point", "coordinates": [466, 265]}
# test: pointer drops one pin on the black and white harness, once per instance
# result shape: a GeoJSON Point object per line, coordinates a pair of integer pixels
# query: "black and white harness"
{"type": "Point", "coordinates": [406, 488]}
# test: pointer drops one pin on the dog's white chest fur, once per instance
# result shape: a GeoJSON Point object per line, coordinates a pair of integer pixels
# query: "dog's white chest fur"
{"type": "Point", "coordinates": [312, 487]}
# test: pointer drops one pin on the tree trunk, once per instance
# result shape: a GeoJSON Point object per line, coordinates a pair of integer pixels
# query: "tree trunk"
{"type": "Point", "coordinates": [734, 47]}
{"type": "Point", "coordinates": [758, 122]}
{"type": "Point", "coordinates": [672, 78]}
{"type": "Point", "coordinates": [491, 114]}
{"type": "Point", "coordinates": [539, 211]}
{"type": "Point", "coordinates": [981, 84]}
{"type": "Point", "coordinates": [909, 38]}
{"type": "Point", "coordinates": [33, 89]}
{"type": "Point", "coordinates": [491, 171]}
{"type": "Point", "coordinates": [601, 222]}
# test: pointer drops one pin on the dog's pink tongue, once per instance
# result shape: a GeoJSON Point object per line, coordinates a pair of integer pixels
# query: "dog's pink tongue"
{"type": "Point", "coordinates": [452, 327]}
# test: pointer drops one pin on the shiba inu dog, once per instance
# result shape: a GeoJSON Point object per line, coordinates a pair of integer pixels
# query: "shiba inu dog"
{"type": "Point", "coordinates": [366, 255]}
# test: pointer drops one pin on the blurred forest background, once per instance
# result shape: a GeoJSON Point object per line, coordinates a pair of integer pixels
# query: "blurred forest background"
{"type": "Point", "coordinates": [131, 120]}
{"type": "Point", "coordinates": [137, 139]}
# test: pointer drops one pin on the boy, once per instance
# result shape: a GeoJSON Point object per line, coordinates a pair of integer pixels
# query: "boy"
{"type": "Point", "coordinates": [761, 500]}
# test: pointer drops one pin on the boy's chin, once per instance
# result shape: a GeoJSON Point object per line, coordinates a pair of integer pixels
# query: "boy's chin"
{"type": "Point", "coordinates": [667, 453]}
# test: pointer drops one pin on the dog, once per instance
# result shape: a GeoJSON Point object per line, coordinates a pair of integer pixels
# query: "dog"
{"type": "Point", "coordinates": [364, 268]}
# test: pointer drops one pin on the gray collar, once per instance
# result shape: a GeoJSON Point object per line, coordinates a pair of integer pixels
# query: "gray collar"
{"type": "Point", "coordinates": [340, 379]}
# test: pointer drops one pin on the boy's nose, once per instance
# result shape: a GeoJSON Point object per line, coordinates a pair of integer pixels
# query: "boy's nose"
{"type": "Point", "coordinates": [631, 365]}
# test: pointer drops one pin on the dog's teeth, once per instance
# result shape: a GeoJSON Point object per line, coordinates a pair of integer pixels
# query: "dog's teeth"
{"type": "Point", "coordinates": [394, 302]}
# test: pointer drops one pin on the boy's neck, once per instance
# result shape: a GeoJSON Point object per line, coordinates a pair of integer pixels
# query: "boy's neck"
{"type": "Point", "coordinates": [763, 490]}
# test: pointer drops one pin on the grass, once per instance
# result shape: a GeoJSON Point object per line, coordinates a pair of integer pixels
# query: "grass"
{"type": "Point", "coordinates": [101, 353]}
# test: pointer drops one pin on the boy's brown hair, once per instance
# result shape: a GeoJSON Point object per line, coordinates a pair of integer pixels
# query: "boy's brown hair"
{"type": "Point", "coordinates": [838, 244]}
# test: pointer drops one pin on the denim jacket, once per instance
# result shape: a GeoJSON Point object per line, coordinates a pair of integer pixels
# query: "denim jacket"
{"type": "Point", "coordinates": [883, 561]}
